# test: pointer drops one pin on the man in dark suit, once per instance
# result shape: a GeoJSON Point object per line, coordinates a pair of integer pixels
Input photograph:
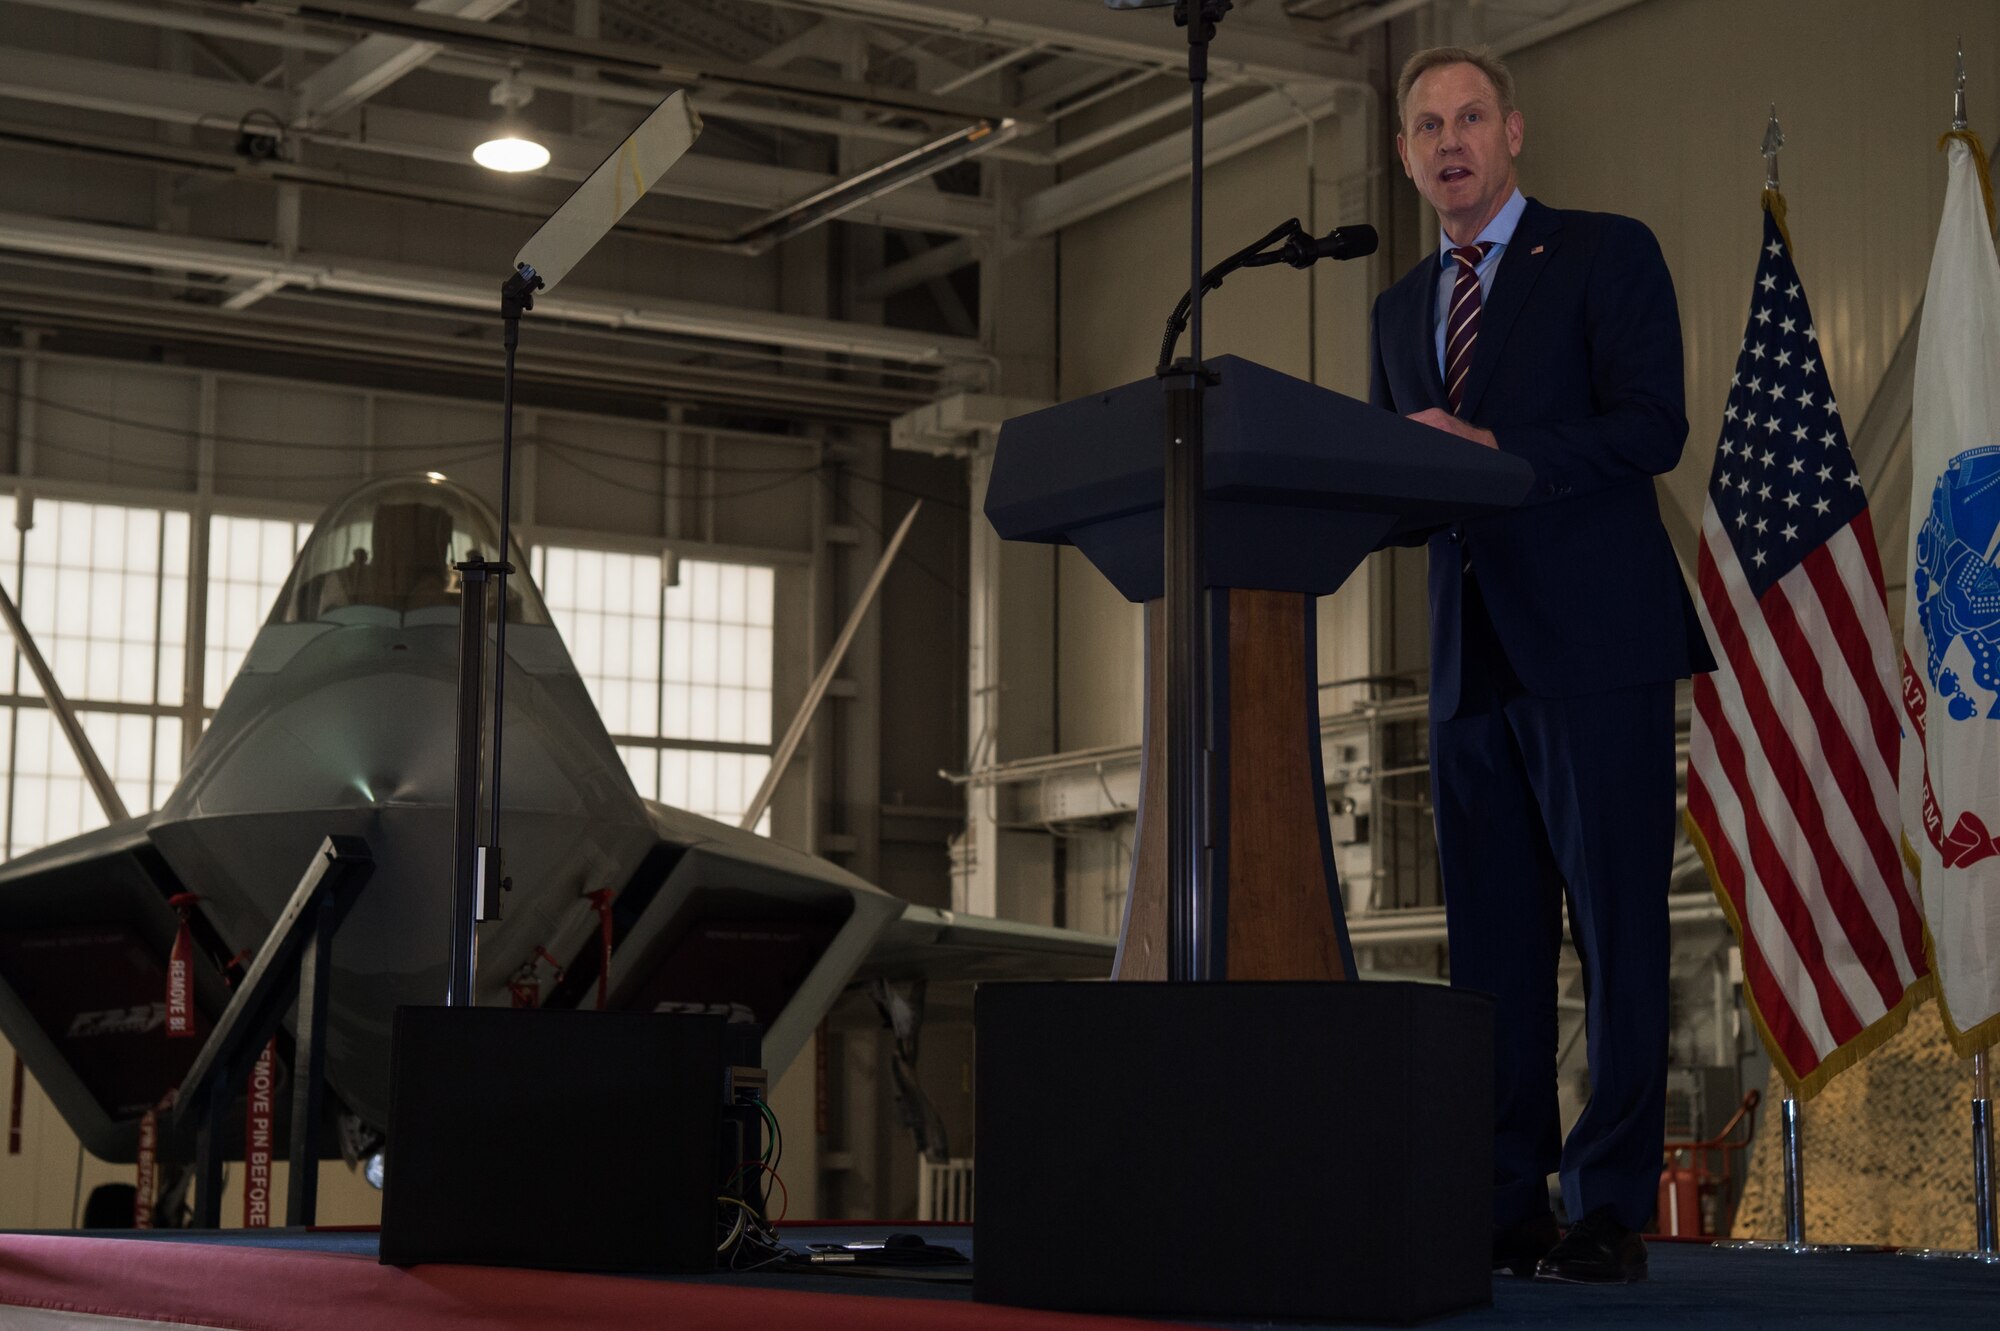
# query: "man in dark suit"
{"type": "Point", "coordinates": [1557, 632]}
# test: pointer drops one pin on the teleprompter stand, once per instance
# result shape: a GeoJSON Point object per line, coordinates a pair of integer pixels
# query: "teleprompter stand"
{"type": "Point", "coordinates": [1125, 1129]}
{"type": "Point", "coordinates": [296, 962]}
{"type": "Point", "coordinates": [589, 213]}
{"type": "Point", "coordinates": [481, 1098]}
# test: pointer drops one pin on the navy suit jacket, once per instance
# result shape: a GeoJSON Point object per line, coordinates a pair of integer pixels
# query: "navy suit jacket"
{"type": "Point", "coordinates": [1577, 370]}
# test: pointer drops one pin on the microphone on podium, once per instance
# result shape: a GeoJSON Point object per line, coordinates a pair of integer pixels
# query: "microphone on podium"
{"type": "Point", "coordinates": [1343, 242]}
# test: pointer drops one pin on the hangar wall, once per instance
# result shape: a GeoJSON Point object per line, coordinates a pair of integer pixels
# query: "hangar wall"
{"type": "Point", "coordinates": [1658, 111]}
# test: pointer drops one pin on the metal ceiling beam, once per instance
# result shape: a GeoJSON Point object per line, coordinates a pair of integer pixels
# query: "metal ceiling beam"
{"type": "Point", "coordinates": [926, 265]}
{"type": "Point", "coordinates": [1576, 16]}
{"type": "Point", "coordinates": [149, 94]}
{"type": "Point", "coordinates": [487, 69]}
{"type": "Point", "coordinates": [469, 291]}
{"type": "Point", "coordinates": [1165, 160]}
{"type": "Point", "coordinates": [532, 204]}
{"type": "Point", "coordinates": [189, 100]}
{"type": "Point", "coordinates": [376, 61]}
{"type": "Point", "coordinates": [919, 206]}
{"type": "Point", "coordinates": [244, 28]}
{"type": "Point", "coordinates": [1245, 48]}
{"type": "Point", "coordinates": [516, 41]}
{"type": "Point", "coordinates": [556, 360]}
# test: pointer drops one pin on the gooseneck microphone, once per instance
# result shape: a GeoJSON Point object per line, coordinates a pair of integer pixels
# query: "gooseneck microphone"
{"type": "Point", "coordinates": [1343, 242]}
{"type": "Point", "coordinates": [1285, 243]}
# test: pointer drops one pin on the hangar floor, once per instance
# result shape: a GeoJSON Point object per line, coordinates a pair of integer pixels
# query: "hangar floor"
{"type": "Point", "coordinates": [288, 1280]}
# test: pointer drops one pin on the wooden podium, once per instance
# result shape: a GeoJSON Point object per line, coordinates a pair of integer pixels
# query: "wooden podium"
{"type": "Point", "coordinates": [1300, 484]}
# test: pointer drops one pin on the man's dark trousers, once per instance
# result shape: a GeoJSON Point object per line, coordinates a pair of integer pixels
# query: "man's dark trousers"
{"type": "Point", "coordinates": [1532, 795]}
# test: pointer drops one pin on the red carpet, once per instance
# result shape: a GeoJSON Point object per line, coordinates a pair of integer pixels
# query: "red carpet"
{"type": "Point", "coordinates": [84, 1282]}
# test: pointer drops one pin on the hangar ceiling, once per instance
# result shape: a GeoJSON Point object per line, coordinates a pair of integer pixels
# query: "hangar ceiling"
{"type": "Point", "coordinates": [293, 176]}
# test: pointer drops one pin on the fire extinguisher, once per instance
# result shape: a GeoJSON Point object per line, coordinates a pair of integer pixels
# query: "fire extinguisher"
{"type": "Point", "coordinates": [1680, 1200]}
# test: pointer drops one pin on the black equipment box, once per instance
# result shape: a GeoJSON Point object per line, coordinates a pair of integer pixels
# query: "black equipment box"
{"type": "Point", "coordinates": [1235, 1150]}
{"type": "Point", "coordinates": [554, 1138]}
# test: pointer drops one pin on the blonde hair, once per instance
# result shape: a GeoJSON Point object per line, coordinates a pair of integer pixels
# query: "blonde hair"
{"type": "Point", "coordinates": [1479, 57]}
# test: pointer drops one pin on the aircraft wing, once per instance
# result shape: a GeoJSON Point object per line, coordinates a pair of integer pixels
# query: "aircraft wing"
{"type": "Point", "coordinates": [84, 934]}
{"type": "Point", "coordinates": [927, 943]}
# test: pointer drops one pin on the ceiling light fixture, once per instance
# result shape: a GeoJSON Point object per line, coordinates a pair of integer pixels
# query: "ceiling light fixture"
{"type": "Point", "coordinates": [511, 147]}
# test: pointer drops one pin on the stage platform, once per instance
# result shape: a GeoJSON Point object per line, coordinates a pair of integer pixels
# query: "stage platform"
{"type": "Point", "coordinates": [289, 1280]}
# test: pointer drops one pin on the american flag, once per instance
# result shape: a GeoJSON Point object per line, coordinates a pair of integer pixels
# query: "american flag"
{"type": "Point", "coordinates": [1794, 752]}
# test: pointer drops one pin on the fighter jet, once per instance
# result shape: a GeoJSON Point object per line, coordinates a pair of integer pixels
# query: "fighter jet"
{"type": "Point", "coordinates": [341, 721]}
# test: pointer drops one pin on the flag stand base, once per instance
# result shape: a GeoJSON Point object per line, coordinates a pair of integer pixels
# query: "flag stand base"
{"type": "Point", "coordinates": [1954, 1255]}
{"type": "Point", "coordinates": [1802, 1249]}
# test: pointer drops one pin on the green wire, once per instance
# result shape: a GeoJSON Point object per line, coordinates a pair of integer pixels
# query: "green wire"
{"type": "Point", "coordinates": [777, 1137]}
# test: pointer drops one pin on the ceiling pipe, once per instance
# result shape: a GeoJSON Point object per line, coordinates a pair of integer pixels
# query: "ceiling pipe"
{"type": "Point", "coordinates": [65, 309]}
{"type": "Point", "coordinates": [458, 290]}
{"type": "Point", "coordinates": [1376, 17]}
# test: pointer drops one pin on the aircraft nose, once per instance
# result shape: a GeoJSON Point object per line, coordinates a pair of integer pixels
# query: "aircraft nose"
{"type": "Point", "coordinates": [378, 739]}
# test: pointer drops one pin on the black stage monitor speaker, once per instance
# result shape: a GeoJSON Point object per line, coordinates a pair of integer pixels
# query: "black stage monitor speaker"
{"type": "Point", "coordinates": [567, 1140]}
{"type": "Point", "coordinates": [1235, 1150]}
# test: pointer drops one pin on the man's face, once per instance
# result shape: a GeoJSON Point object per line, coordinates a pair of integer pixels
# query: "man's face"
{"type": "Point", "coordinates": [1459, 147]}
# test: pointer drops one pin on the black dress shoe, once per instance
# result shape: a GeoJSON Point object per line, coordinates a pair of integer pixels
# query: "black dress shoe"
{"type": "Point", "coordinates": [1598, 1250]}
{"type": "Point", "coordinates": [1518, 1246]}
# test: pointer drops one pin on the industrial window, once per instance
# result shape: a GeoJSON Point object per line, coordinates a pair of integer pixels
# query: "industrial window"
{"type": "Point", "coordinates": [103, 590]}
{"type": "Point", "coordinates": [681, 673]}
{"type": "Point", "coordinates": [248, 561]}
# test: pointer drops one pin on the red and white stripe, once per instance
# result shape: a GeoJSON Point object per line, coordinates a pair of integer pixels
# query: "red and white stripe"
{"type": "Point", "coordinates": [1792, 783]}
{"type": "Point", "coordinates": [1462, 321]}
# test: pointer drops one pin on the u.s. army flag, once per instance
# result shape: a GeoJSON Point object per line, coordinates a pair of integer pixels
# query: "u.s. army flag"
{"type": "Point", "coordinates": [1951, 620]}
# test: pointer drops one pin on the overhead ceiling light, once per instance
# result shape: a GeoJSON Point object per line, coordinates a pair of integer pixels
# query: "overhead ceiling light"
{"type": "Point", "coordinates": [511, 148]}
{"type": "Point", "coordinates": [511, 154]}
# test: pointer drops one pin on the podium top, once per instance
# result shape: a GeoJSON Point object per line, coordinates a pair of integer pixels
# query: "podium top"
{"type": "Point", "coordinates": [1299, 483]}
{"type": "Point", "coordinates": [1271, 439]}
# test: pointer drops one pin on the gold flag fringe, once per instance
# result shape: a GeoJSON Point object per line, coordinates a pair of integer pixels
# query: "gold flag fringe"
{"type": "Point", "coordinates": [1885, 1028]}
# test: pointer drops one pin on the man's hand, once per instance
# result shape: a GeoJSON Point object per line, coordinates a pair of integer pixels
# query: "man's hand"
{"type": "Point", "coordinates": [1439, 419]}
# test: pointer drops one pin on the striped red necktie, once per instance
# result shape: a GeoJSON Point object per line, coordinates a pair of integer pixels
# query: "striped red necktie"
{"type": "Point", "coordinates": [1462, 324]}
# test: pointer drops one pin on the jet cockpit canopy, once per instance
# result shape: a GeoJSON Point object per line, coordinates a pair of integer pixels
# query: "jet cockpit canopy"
{"type": "Point", "coordinates": [394, 546]}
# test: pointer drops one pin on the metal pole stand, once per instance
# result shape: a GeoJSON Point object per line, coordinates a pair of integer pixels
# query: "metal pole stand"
{"type": "Point", "coordinates": [1192, 760]}
{"type": "Point", "coordinates": [476, 872]}
{"type": "Point", "coordinates": [1982, 1155]}
{"type": "Point", "coordinates": [1792, 1141]}
{"type": "Point", "coordinates": [1983, 1248]}
{"type": "Point", "coordinates": [294, 963]}
{"type": "Point", "coordinates": [467, 863]}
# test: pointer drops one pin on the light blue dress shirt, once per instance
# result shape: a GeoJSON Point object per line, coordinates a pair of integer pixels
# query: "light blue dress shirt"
{"type": "Point", "coordinates": [1500, 230]}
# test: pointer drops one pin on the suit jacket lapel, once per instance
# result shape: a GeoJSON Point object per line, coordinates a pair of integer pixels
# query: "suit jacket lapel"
{"type": "Point", "coordinates": [1527, 254]}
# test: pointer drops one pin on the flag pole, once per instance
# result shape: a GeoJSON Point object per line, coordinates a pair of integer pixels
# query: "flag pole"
{"type": "Point", "coordinates": [1795, 1172]}
{"type": "Point", "coordinates": [1982, 1154]}
{"type": "Point", "coordinates": [1982, 1079]}
{"type": "Point", "coordinates": [1790, 1124]}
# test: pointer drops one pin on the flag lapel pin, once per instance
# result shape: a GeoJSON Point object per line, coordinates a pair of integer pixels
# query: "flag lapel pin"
{"type": "Point", "coordinates": [1538, 249]}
